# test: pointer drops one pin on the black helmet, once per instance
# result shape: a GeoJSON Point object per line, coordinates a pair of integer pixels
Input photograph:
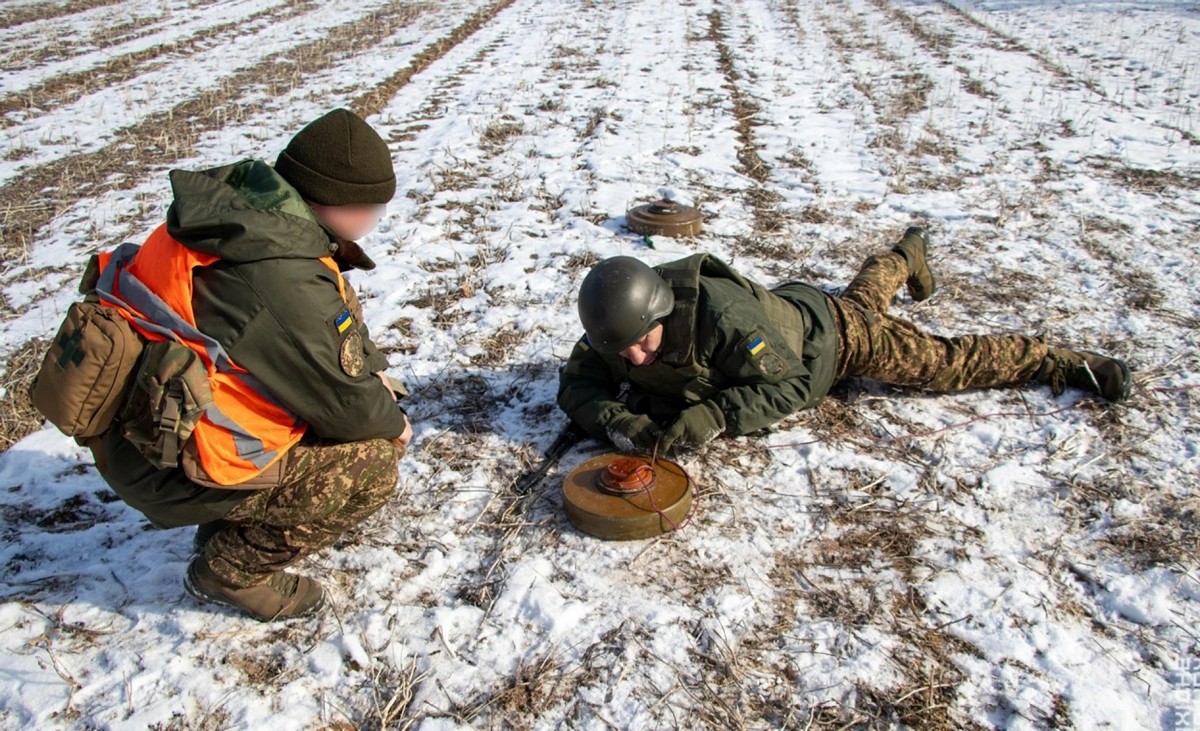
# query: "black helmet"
{"type": "Point", "coordinates": [621, 300]}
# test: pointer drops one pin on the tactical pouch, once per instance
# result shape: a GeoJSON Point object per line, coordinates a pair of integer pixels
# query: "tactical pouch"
{"type": "Point", "coordinates": [86, 371]}
{"type": "Point", "coordinates": [168, 396]}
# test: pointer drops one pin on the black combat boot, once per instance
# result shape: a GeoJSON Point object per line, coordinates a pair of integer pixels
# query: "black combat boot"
{"type": "Point", "coordinates": [281, 596]}
{"type": "Point", "coordinates": [1086, 371]}
{"type": "Point", "coordinates": [912, 247]}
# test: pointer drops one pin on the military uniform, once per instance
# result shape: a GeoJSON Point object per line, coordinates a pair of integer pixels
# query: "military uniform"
{"type": "Point", "coordinates": [873, 344]}
{"type": "Point", "coordinates": [279, 313]}
{"type": "Point", "coordinates": [758, 355]}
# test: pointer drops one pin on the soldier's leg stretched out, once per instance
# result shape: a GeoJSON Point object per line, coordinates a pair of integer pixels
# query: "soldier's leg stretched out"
{"type": "Point", "coordinates": [891, 350]}
{"type": "Point", "coordinates": [878, 346]}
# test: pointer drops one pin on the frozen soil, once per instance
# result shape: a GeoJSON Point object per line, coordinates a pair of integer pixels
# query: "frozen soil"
{"type": "Point", "coordinates": [993, 559]}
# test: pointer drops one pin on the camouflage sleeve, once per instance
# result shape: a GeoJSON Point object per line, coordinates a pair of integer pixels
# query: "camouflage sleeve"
{"type": "Point", "coordinates": [767, 380]}
{"type": "Point", "coordinates": [587, 391]}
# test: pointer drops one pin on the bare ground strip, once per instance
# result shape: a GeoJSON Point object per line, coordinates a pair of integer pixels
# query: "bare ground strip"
{"type": "Point", "coordinates": [67, 88]}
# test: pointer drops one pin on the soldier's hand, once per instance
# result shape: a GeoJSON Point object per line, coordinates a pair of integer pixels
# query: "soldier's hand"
{"type": "Point", "coordinates": [696, 426]}
{"type": "Point", "coordinates": [388, 385]}
{"type": "Point", "coordinates": [633, 432]}
{"type": "Point", "coordinates": [401, 442]}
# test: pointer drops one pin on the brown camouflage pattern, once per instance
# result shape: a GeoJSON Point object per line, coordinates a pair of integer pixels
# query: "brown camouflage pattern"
{"type": "Point", "coordinates": [873, 344]}
{"type": "Point", "coordinates": [327, 489]}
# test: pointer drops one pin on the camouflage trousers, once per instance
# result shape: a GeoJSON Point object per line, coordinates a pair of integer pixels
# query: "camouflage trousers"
{"type": "Point", "coordinates": [873, 344]}
{"type": "Point", "coordinates": [327, 489]}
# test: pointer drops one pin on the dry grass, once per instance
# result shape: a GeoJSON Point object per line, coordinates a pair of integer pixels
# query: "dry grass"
{"type": "Point", "coordinates": [407, 342]}
{"type": "Point", "coordinates": [392, 693]}
{"type": "Point", "coordinates": [47, 11]}
{"type": "Point", "coordinates": [815, 214]}
{"type": "Point", "coordinates": [1142, 180]}
{"type": "Point", "coordinates": [594, 120]}
{"type": "Point", "coordinates": [772, 235]}
{"type": "Point", "coordinates": [791, 15]}
{"type": "Point", "coordinates": [261, 669]}
{"type": "Point", "coordinates": [536, 685]}
{"type": "Point", "coordinates": [975, 86]}
{"type": "Point", "coordinates": [66, 88]}
{"type": "Point", "coordinates": [466, 403]}
{"type": "Point", "coordinates": [38, 195]}
{"type": "Point", "coordinates": [771, 250]}
{"type": "Point", "coordinates": [498, 346]}
{"type": "Point", "coordinates": [374, 100]}
{"type": "Point", "coordinates": [1139, 288]}
{"type": "Point", "coordinates": [495, 137]}
{"type": "Point", "coordinates": [440, 300]}
{"type": "Point", "coordinates": [1007, 42]}
{"type": "Point", "coordinates": [937, 146]}
{"type": "Point", "coordinates": [462, 175]}
{"type": "Point", "coordinates": [199, 717]}
{"type": "Point", "coordinates": [1167, 535]}
{"type": "Point", "coordinates": [911, 94]}
{"type": "Point", "coordinates": [18, 418]}
{"type": "Point", "coordinates": [936, 43]}
{"type": "Point", "coordinates": [580, 261]}
{"type": "Point", "coordinates": [745, 107]}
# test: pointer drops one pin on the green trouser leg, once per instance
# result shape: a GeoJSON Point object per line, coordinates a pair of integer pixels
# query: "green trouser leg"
{"type": "Point", "coordinates": [884, 348]}
{"type": "Point", "coordinates": [327, 490]}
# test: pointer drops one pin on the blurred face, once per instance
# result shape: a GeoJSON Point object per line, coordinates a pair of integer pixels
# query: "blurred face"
{"type": "Point", "coordinates": [645, 351]}
{"type": "Point", "coordinates": [349, 222]}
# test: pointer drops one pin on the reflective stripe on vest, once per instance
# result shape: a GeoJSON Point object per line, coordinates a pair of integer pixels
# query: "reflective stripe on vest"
{"type": "Point", "coordinates": [245, 429]}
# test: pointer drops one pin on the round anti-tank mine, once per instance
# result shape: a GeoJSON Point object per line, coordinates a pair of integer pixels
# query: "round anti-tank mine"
{"type": "Point", "coordinates": [664, 218]}
{"type": "Point", "coordinates": [619, 497]}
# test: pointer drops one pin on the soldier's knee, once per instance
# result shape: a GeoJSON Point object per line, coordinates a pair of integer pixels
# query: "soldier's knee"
{"type": "Point", "coordinates": [376, 471]}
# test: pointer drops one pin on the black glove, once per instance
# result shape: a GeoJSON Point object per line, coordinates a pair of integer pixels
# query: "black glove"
{"type": "Point", "coordinates": [632, 432]}
{"type": "Point", "coordinates": [696, 426]}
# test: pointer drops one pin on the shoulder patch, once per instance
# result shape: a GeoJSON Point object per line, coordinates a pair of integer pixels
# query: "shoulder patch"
{"type": "Point", "coordinates": [762, 357]}
{"type": "Point", "coordinates": [351, 355]}
{"type": "Point", "coordinates": [584, 343]}
{"type": "Point", "coordinates": [344, 321]}
{"type": "Point", "coordinates": [772, 365]}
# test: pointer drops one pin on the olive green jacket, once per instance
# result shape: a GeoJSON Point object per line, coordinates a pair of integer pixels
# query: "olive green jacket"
{"type": "Point", "coordinates": [273, 306]}
{"type": "Point", "coordinates": [278, 313]}
{"type": "Point", "coordinates": [758, 355]}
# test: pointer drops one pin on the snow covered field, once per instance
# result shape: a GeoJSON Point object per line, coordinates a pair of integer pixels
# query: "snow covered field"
{"type": "Point", "coordinates": [992, 559]}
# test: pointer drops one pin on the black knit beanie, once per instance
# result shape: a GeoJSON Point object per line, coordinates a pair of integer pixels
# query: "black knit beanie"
{"type": "Point", "coordinates": [339, 160]}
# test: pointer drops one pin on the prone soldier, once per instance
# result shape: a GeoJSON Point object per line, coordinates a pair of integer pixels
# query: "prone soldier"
{"type": "Point", "coordinates": [678, 354]}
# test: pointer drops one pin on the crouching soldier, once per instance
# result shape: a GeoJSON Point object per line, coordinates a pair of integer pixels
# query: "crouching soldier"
{"type": "Point", "coordinates": [295, 433]}
{"type": "Point", "coordinates": [678, 354]}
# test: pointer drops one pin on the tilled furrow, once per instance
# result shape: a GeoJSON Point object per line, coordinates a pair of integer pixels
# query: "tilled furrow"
{"type": "Point", "coordinates": [48, 11]}
{"type": "Point", "coordinates": [68, 88]}
{"type": "Point", "coordinates": [38, 195]}
{"type": "Point", "coordinates": [373, 100]}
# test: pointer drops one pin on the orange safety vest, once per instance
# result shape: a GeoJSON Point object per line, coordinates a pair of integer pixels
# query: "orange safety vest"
{"type": "Point", "coordinates": [245, 429]}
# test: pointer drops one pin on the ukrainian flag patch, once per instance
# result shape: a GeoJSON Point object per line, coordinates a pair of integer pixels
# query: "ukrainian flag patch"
{"type": "Point", "coordinates": [343, 322]}
{"type": "Point", "coordinates": [584, 343]}
{"type": "Point", "coordinates": [756, 346]}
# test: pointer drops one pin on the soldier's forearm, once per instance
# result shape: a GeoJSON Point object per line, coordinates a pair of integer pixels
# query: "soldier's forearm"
{"type": "Point", "coordinates": [752, 407]}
